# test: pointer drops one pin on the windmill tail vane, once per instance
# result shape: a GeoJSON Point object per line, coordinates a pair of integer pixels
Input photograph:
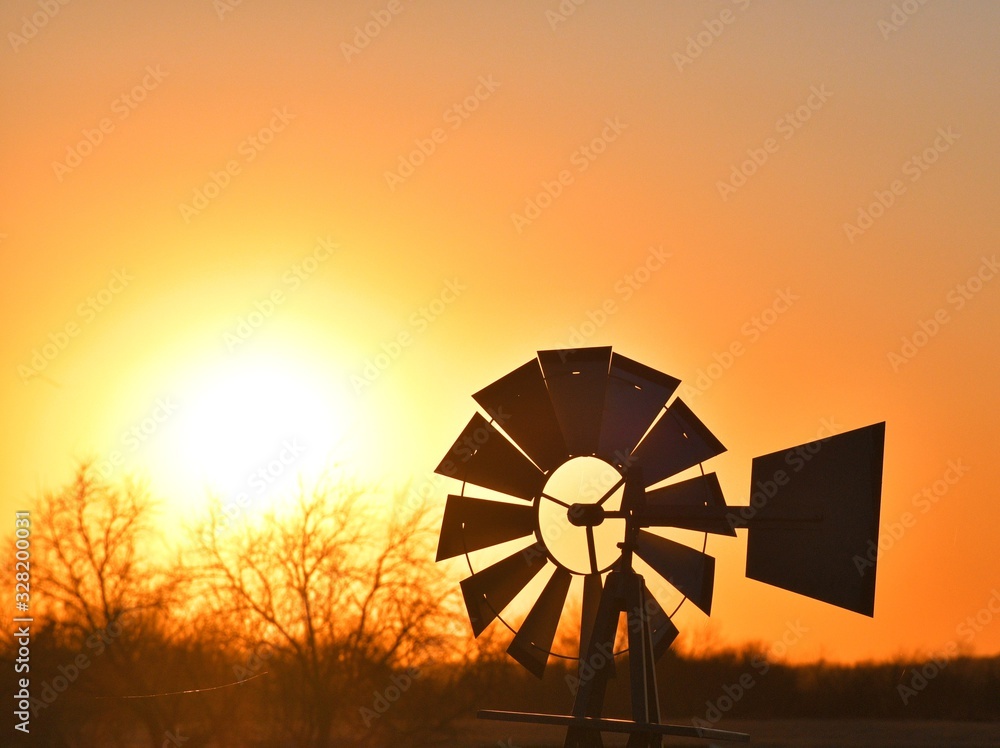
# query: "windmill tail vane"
{"type": "Point", "coordinates": [814, 508]}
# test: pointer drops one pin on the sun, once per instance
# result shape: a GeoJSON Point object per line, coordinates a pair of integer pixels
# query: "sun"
{"type": "Point", "coordinates": [249, 427]}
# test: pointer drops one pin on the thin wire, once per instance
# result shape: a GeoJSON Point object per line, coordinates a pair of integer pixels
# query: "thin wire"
{"type": "Point", "coordinates": [191, 690]}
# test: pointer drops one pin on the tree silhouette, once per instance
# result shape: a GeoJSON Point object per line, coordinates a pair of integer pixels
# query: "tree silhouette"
{"type": "Point", "coordinates": [103, 597]}
{"type": "Point", "coordinates": [341, 590]}
{"type": "Point", "coordinates": [335, 600]}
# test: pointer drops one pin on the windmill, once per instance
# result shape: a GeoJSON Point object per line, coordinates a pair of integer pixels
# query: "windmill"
{"type": "Point", "coordinates": [813, 509]}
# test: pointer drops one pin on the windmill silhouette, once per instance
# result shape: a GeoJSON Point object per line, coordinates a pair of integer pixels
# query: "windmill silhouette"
{"type": "Point", "coordinates": [813, 509]}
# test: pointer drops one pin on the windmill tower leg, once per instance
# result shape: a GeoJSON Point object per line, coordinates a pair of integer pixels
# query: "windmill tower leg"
{"type": "Point", "coordinates": [642, 666]}
{"type": "Point", "coordinates": [597, 663]}
{"type": "Point", "coordinates": [624, 592]}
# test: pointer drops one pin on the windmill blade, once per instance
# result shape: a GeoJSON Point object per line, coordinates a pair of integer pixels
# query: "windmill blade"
{"type": "Point", "coordinates": [676, 442]}
{"type": "Point", "coordinates": [485, 457]}
{"type": "Point", "coordinates": [702, 491]}
{"type": "Point", "coordinates": [519, 403]}
{"type": "Point", "coordinates": [689, 570]}
{"type": "Point", "coordinates": [489, 591]}
{"type": "Point", "coordinates": [470, 524]}
{"type": "Point", "coordinates": [663, 630]}
{"type": "Point", "coordinates": [533, 641]}
{"type": "Point", "coordinates": [838, 479]}
{"type": "Point", "coordinates": [635, 395]}
{"type": "Point", "coordinates": [577, 380]}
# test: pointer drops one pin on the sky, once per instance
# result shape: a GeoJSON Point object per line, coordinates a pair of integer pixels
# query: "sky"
{"type": "Point", "coordinates": [245, 241]}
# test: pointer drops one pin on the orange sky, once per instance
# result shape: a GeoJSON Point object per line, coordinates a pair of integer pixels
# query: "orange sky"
{"type": "Point", "coordinates": [424, 152]}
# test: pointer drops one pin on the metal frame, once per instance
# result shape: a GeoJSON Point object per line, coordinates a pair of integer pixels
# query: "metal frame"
{"type": "Point", "coordinates": [834, 502]}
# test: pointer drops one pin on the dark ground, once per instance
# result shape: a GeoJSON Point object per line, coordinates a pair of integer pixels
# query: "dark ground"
{"type": "Point", "coordinates": [796, 733]}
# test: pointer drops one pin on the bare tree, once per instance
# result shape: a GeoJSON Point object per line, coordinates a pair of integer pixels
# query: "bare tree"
{"type": "Point", "coordinates": [341, 589]}
{"type": "Point", "coordinates": [101, 592]}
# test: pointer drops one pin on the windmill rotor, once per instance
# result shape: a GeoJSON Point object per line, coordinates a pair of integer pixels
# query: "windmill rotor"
{"type": "Point", "coordinates": [561, 408]}
{"type": "Point", "coordinates": [594, 408]}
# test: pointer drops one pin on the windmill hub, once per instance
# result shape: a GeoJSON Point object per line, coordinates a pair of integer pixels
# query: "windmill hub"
{"type": "Point", "coordinates": [576, 513]}
{"type": "Point", "coordinates": [586, 515]}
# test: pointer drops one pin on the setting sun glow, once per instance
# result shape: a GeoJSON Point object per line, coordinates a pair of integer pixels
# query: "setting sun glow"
{"type": "Point", "coordinates": [254, 424]}
{"type": "Point", "coordinates": [240, 250]}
